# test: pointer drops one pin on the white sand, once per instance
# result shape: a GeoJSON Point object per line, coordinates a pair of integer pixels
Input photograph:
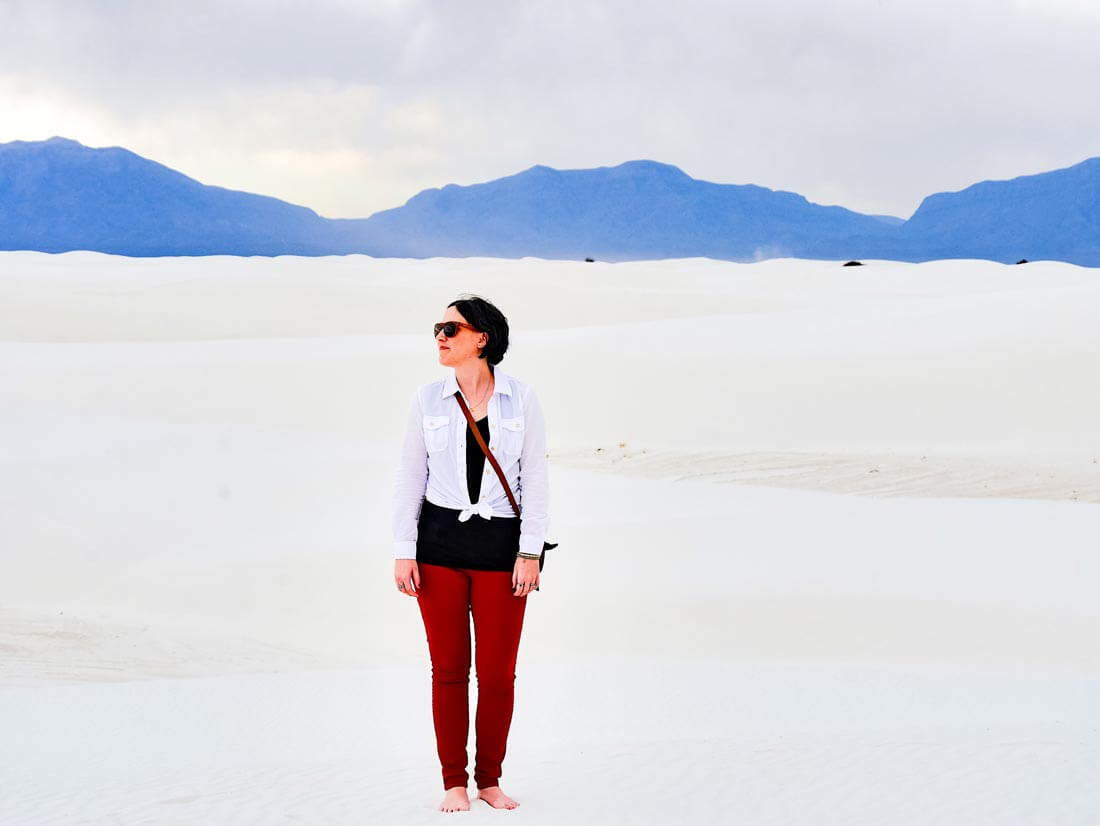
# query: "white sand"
{"type": "Point", "coordinates": [197, 616]}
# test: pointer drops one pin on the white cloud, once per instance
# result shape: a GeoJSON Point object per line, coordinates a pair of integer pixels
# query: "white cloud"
{"type": "Point", "coordinates": [351, 107]}
{"type": "Point", "coordinates": [1076, 11]}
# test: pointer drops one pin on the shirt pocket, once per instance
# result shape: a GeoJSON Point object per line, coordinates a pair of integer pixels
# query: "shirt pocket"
{"type": "Point", "coordinates": [512, 432]}
{"type": "Point", "coordinates": [436, 433]}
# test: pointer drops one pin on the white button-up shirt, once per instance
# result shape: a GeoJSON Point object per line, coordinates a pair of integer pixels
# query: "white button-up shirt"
{"type": "Point", "coordinates": [433, 461]}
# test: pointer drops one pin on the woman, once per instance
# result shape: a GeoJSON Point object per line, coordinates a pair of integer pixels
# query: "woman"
{"type": "Point", "coordinates": [458, 546]}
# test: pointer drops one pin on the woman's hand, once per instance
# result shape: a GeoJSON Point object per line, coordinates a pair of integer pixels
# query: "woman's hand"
{"type": "Point", "coordinates": [407, 576]}
{"type": "Point", "coordinates": [525, 576]}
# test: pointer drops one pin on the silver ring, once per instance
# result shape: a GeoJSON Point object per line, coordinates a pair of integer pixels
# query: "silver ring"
{"type": "Point", "coordinates": [402, 586]}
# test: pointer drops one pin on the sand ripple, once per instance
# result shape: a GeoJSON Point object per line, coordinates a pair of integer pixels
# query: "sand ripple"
{"type": "Point", "coordinates": [866, 474]}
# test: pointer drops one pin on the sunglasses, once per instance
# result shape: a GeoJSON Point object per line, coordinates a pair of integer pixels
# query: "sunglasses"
{"type": "Point", "coordinates": [450, 328]}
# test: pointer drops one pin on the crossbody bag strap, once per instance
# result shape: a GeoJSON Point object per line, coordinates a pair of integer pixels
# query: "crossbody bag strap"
{"type": "Point", "coordinates": [485, 449]}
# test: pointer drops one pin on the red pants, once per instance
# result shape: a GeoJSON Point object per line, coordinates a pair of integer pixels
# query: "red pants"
{"type": "Point", "coordinates": [447, 597]}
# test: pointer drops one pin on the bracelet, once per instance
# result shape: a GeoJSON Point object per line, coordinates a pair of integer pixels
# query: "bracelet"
{"type": "Point", "coordinates": [522, 555]}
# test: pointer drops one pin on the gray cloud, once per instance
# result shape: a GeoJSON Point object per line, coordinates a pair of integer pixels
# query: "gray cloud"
{"type": "Point", "coordinates": [351, 107]}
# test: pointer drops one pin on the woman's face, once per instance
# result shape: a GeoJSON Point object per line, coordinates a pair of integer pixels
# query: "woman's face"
{"type": "Point", "coordinates": [464, 345]}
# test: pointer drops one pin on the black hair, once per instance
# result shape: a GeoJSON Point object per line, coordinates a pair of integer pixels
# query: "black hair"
{"type": "Point", "coordinates": [486, 318]}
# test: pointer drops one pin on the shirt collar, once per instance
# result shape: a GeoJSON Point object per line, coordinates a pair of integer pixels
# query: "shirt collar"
{"type": "Point", "coordinates": [502, 384]}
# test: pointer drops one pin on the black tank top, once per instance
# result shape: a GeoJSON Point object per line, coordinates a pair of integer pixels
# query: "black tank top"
{"type": "Point", "coordinates": [475, 458]}
{"type": "Point", "coordinates": [484, 544]}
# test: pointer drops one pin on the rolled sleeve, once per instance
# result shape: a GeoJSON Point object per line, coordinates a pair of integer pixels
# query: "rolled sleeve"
{"type": "Point", "coordinates": [410, 483]}
{"type": "Point", "coordinates": [534, 485]}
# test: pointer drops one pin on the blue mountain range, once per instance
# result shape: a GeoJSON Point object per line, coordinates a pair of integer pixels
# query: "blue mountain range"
{"type": "Point", "coordinates": [58, 195]}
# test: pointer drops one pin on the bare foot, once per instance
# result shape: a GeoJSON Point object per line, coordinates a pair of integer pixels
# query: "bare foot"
{"type": "Point", "coordinates": [496, 798]}
{"type": "Point", "coordinates": [455, 800]}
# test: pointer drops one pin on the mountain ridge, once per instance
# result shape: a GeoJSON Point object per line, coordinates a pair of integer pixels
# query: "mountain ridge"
{"type": "Point", "coordinates": [57, 195]}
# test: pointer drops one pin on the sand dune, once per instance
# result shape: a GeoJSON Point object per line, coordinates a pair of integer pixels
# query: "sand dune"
{"type": "Point", "coordinates": [828, 541]}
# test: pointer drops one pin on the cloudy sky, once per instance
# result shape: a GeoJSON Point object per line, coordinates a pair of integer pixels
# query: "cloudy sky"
{"type": "Point", "coordinates": [348, 106]}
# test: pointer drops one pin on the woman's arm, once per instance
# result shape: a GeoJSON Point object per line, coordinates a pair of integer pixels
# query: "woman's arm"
{"type": "Point", "coordinates": [410, 483]}
{"type": "Point", "coordinates": [534, 478]}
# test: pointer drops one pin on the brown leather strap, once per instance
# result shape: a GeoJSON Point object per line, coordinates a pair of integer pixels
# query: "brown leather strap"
{"type": "Point", "coordinates": [486, 451]}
